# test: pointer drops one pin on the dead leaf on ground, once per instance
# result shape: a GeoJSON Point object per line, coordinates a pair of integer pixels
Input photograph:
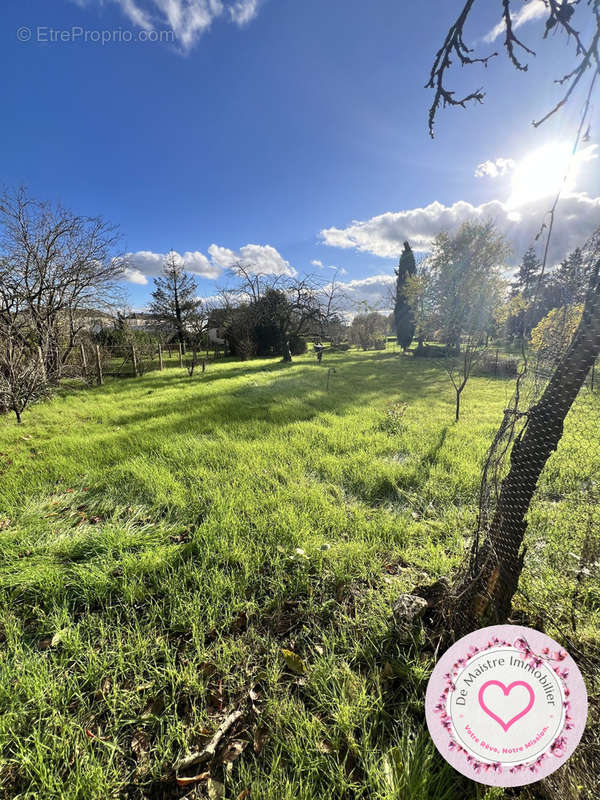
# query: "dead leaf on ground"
{"type": "Point", "coordinates": [324, 747]}
{"type": "Point", "coordinates": [243, 795]}
{"type": "Point", "coordinates": [233, 751]}
{"type": "Point", "coordinates": [154, 708]}
{"type": "Point", "coordinates": [215, 699]}
{"type": "Point", "coordinates": [140, 744]}
{"type": "Point", "coordinates": [203, 776]}
{"type": "Point", "coordinates": [261, 737]}
{"type": "Point", "coordinates": [240, 623]}
{"type": "Point", "coordinates": [293, 662]}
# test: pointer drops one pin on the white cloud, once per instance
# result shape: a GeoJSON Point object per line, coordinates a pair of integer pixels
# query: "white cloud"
{"type": "Point", "coordinates": [258, 258]}
{"type": "Point", "coordinates": [135, 276]}
{"type": "Point", "coordinates": [494, 169]}
{"type": "Point", "coordinates": [211, 300]}
{"type": "Point", "coordinates": [243, 11]}
{"type": "Point", "coordinates": [576, 218]}
{"type": "Point", "coordinates": [145, 264]}
{"type": "Point", "coordinates": [534, 9]}
{"type": "Point", "coordinates": [376, 291]}
{"type": "Point", "coordinates": [188, 19]}
{"type": "Point", "coordinates": [320, 265]}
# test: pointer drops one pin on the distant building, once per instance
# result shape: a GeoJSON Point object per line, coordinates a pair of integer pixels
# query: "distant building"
{"type": "Point", "coordinates": [216, 326]}
{"type": "Point", "coordinates": [143, 321]}
{"type": "Point", "coordinates": [95, 321]}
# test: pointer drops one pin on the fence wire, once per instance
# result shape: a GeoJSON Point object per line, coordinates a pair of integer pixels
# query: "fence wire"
{"type": "Point", "coordinates": [559, 588]}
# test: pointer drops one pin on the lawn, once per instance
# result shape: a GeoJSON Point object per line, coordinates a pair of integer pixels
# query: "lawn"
{"type": "Point", "coordinates": [173, 549]}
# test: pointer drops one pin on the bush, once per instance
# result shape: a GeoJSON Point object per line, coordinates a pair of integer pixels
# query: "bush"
{"type": "Point", "coordinates": [430, 351]}
{"type": "Point", "coordinates": [297, 345]}
{"type": "Point", "coordinates": [342, 347]}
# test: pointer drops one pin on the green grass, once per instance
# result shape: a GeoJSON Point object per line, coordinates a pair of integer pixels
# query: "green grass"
{"type": "Point", "coordinates": [163, 539]}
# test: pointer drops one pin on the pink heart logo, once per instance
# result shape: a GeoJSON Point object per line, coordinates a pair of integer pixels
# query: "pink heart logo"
{"type": "Point", "coordinates": [507, 690]}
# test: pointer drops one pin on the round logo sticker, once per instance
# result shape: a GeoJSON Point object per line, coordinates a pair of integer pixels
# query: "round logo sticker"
{"type": "Point", "coordinates": [506, 705]}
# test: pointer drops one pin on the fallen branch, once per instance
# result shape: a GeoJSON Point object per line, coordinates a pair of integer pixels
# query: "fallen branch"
{"type": "Point", "coordinates": [209, 751]}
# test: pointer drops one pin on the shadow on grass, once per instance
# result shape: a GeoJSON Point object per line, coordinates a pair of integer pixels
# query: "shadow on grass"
{"type": "Point", "coordinates": [292, 393]}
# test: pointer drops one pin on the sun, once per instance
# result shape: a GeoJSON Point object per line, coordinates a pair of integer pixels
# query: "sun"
{"type": "Point", "coordinates": [541, 173]}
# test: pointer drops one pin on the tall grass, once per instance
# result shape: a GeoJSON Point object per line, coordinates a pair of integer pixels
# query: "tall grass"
{"type": "Point", "coordinates": [163, 539]}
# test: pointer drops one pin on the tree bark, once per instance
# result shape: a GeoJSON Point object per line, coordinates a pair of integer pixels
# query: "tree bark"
{"type": "Point", "coordinates": [486, 592]}
{"type": "Point", "coordinates": [287, 353]}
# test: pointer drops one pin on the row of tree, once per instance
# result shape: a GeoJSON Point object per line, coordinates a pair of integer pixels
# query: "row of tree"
{"type": "Point", "coordinates": [264, 315]}
{"type": "Point", "coordinates": [462, 296]}
{"type": "Point", "coordinates": [461, 290]}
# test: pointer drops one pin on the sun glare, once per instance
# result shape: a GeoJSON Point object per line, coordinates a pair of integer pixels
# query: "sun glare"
{"type": "Point", "coordinates": [540, 173]}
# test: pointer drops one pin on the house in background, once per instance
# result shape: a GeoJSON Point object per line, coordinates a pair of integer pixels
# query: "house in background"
{"type": "Point", "coordinates": [143, 321]}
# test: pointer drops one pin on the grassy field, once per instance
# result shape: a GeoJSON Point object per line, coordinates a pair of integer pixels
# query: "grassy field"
{"type": "Point", "coordinates": [164, 541]}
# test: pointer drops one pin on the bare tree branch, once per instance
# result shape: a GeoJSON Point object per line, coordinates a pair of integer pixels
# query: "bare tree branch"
{"type": "Point", "coordinates": [560, 14]}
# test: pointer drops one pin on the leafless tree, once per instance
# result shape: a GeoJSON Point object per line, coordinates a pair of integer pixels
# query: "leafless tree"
{"type": "Point", "coordinates": [291, 304]}
{"type": "Point", "coordinates": [22, 374]}
{"type": "Point", "coordinates": [561, 18]}
{"type": "Point", "coordinates": [332, 299]}
{"type": "Point", "coordinates": [460, 366]}
{"type": "Point", "coordinates": [59, 267]}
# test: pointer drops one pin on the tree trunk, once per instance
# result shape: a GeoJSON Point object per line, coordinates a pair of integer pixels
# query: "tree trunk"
{"type": "Point", "coordinates": [457, 404]}
{"type": "Point", "coordinates": [17, 414]}
{"type": "Point", "coordinates": [287, 353]}
{"type": "Point", "coordinates": [487, 591]}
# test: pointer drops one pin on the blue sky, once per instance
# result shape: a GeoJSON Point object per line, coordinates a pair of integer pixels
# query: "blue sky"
{"type": "Point", "coordinates": [283, 132]}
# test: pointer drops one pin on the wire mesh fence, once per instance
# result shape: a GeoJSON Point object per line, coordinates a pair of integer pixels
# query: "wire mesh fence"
{"type": "Point", "coordinates": [94, 362]}
{"type": "Point", "coordinates": [536, 548]}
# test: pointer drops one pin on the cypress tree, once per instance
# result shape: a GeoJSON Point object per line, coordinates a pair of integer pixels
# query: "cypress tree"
{"type": "Point", "coordinates": [403, 315]}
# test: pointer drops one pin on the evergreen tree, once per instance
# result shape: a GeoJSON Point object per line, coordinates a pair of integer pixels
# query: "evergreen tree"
{"type": "Point", "coordinates": [528, 274]}
{"type": "Point", "coordinates": [526, 285]}
{"type": "Point", "coordinates": [403, 315]}
{"type": "Point", "coordinates": [174, 299]}
{"type": "Point", "coordinates": [571, 278]}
